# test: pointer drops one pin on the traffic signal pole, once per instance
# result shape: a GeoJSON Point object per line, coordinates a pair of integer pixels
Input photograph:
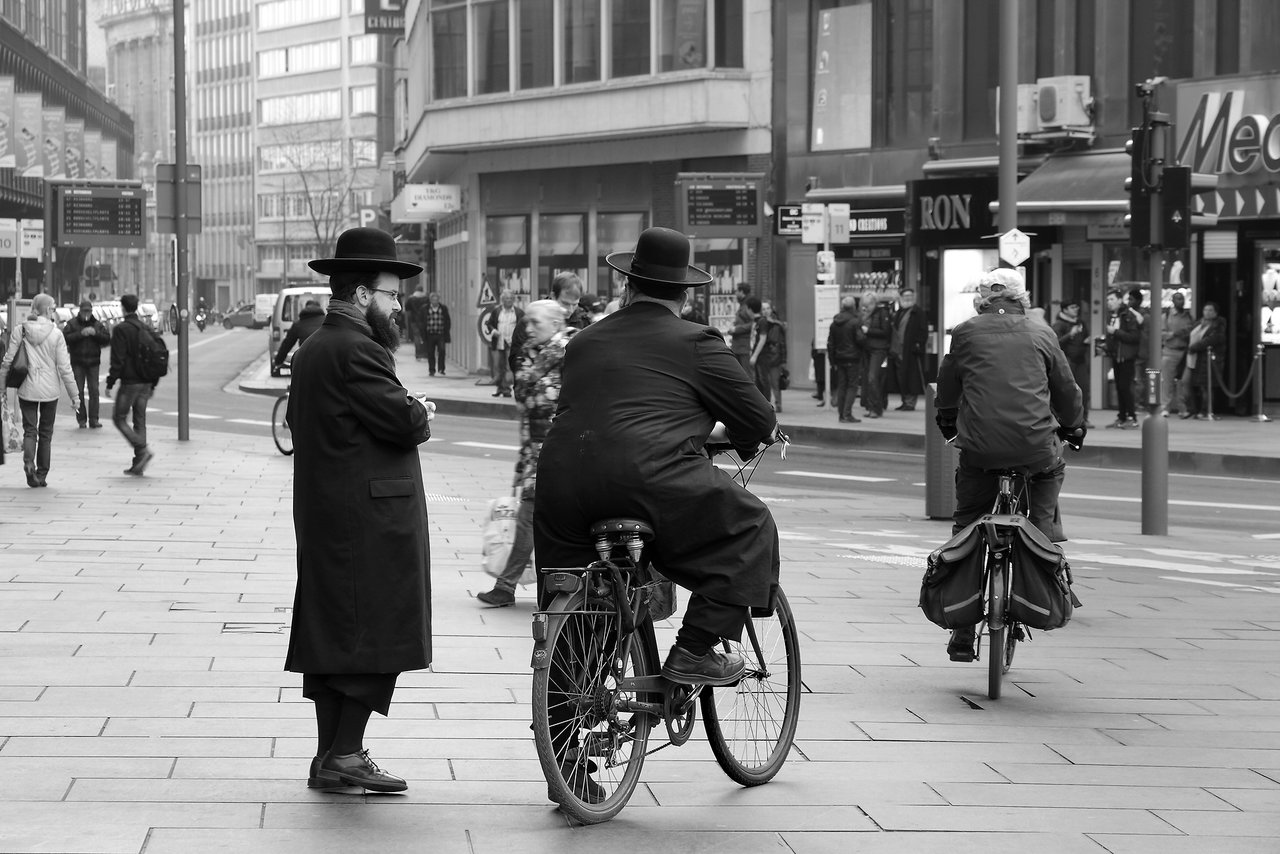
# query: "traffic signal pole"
{"type": "Point", "coordinates": [1155, 429]}
{"type": "Point", "coordinates": [180, 215]}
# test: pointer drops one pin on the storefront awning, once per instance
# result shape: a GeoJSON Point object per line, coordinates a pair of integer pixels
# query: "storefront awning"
{"type": "Point", "coordinates": [1075, 189]}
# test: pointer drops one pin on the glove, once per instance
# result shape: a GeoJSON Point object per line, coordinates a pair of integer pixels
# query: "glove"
{"type": "Point", "coordinates": [946, 421]}
{"type": "Point", "coordinates": [1073, 436]}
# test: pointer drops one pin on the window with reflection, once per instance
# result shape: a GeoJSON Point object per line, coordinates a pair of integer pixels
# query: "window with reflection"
{"type": "Point", "coordinates": [580, 40]}
{"type": "Point", "coordinates": [492, 47]}
{"type": "Point", "coordinates": [449, 49]}
{"type": "Point", "coordinates": [537, 43]}
{"type": "Point", "coordinates": [682, 35]}
{"type": "Point", "coordinates": [629, 29]}
{"type": "Point", "coordinates": [562, 248]}
{"type": "Point", "coordinates": [615, 232]}
{"type": "Point", "coordinates": [507, 256]}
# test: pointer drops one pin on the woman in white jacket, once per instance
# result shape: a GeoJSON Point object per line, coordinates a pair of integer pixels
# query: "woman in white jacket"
{"type": "Point", "coordinates": [48, 364]}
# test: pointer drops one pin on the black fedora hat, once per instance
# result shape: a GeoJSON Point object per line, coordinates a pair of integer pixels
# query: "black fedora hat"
{"type": "Point", "coordinates": [661, 258]}
{"type": "Point", "coordinates": [362, 250]}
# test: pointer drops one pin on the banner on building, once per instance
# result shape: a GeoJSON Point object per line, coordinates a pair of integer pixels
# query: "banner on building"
{"type": "Point", "coordinates": [842, 75]}
{"type": "Point", "coordinates": [74, 160]}
{"type": "Point", "coordinates": [28, 132]}
{"type": "Point", "coordinates": [92, 152]}
{"type": "Point", "coordinates": [6, 122]}
{"type": "Point", "coordinates": [107, 165]}
{"type": "Point", "coordinates": [384, 16]}
{"type": "Point", "coordinates": [55, 125]}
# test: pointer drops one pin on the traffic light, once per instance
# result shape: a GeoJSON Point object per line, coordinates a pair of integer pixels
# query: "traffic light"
{"type": "Point", "coordinates": [1138, 219]}
{"type": "Point", "coordinates": [1180, 187]}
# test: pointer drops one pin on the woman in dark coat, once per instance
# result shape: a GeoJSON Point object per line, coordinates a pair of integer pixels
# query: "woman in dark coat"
{"type": "Point", "coordinates": [362, 609]}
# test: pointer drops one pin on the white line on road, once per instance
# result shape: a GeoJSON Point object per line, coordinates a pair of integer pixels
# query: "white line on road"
{"type": "Point", "coordinates": [859, 478]}
{"type": "Point", "coordinates": [249, 421]}
{"type": "Point", "coordinates": [1221, 505]}
{"type": "Point", "coordinates": [195, 415]}
{"type": "Point", "coordinates": [488, 445]}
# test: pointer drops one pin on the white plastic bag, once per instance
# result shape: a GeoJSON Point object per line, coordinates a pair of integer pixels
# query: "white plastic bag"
{"type": "Point", "coordinates": [498, 536]}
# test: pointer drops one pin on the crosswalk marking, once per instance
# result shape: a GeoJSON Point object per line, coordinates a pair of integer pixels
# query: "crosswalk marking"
{"type": "Point", "coordinates": [249, 421]}
{"type": "Point", "coordinates": [1221, 505]}
{"type": "Point", "coordinates": [855, 477]}
{"type": "Point", "coordinates": [488, 445]}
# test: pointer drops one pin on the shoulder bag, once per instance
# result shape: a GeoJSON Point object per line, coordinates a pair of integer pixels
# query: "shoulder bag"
{"type": "Point", "coordinates": [20, 367]}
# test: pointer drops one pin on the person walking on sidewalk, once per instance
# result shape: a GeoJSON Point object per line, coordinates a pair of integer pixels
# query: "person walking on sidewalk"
{"type": "Point", "coordinates": [1124, 333]}
{"type": "Point", "coordinates": [740, 333]}
{"type": "Point", "coordinates": [537, 391]}
{"type": "Point", "coordinates": [844, 348]}
{"type": "Point", "coordinates": [498, 326]}
{"type": "Point", "coordinates": [1176, 336]}
{"type": "Point", "coordinates": [131, 402]}
{"type": "Point", "coordinates": [48, 371]}
{"type": "Point", "coordinates": [362, 606]}
{"type": "Point", "coordinates": [906, 349]}
{"type": "Point", "coordinates": [769, 354]}
{"type": "Point", "coordinates": [86, 336]}
{"type": "Point", "coordinates": [1210, 334]}
{"type": "Point", "coordinates": [436, 331]}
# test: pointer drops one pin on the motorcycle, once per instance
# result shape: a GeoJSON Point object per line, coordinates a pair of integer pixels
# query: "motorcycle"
{"type": "Point", "coordinates": [201, 319]}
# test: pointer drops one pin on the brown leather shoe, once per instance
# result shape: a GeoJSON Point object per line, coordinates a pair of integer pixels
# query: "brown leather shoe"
{"type": "Point", "coordinates": [714, 668]}
{"type": "Point", "coordinates": [357, 769]}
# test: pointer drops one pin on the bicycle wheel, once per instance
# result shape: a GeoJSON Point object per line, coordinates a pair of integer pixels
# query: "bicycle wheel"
{"type": "Point", "coordinates": [591, 747]}
{"type": "Point", "coordinates": [751, 725]}
{"type": "Point", "coordinates": [996, 651]}
{"type": "Point", "coordinates": [280, 427]}
{"type": "Point", "coordinates": [1011, 635]}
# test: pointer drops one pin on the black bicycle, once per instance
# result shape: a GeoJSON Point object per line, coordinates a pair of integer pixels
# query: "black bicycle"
{"type": "Point", "coordinates": [598, 692]}
{"type": "Point", "coordinates": [280, 430]}
{"type": "Point", "coordinates": [1003, 633]}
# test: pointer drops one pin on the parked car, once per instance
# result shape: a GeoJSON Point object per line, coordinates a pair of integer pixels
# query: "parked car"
{"type": "Point", "coordinates": [242, 316]}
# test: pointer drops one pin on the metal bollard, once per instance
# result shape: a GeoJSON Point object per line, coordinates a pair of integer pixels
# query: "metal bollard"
{"type": "Point", "coordinates": [1259, 416]}
{"type": "Point", "coordinates": [1208, 397]}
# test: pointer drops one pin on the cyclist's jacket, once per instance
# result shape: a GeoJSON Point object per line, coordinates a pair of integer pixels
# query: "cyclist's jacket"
{"type": "Point", "coordinates": [1012, 386]}
{"type": "Point", "coordinates": [640, 390]}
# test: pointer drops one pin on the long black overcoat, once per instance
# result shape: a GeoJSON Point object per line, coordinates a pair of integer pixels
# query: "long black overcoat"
{"type": "Point", "coordinates": [363, 600]}
{"type": "Point", "coordinates": [641, 389]}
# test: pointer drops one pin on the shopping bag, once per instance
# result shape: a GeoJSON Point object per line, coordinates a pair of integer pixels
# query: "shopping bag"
{"type": "Point", "coordinates": [498, 535]}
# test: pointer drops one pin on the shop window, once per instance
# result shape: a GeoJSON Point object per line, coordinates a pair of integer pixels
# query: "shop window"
{"type": "Point", "coordinates": [580, 38]}
{"type": "Point", "coordinates": [537, 44]}
{"type": "Point", "coordinates": [562, 248]}
{"type": "Point", "coordinates": [725, 260]}
{"type": "Point", "coordinates": [507, 256]}
{"type": "Point", "coordinates": [492, 47]}
{"type": "Point", "coordinates": [729, 26]}
{"type": "Point", "coordinates": [629, 29]}
{"type": "Point", "coordinates": [615, 232]}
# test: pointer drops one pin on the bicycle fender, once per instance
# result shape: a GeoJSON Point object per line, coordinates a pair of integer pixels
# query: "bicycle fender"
{"type": "Point", "coordinates": [545, 625]}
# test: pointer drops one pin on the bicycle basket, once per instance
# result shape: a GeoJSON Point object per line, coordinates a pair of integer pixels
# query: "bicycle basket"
{"type": "Point", "coordinates": [951, 590]}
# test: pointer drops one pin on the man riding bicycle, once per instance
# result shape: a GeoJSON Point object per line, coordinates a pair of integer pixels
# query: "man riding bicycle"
{"type": "Point", "coordinates": [1007, 397]}
{"type": "Point", "coordinates": [641, 390]}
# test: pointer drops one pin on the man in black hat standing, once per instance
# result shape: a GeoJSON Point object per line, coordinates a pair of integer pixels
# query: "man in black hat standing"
{"type": "Point", "coordinates": [641, 390]}
{"type": "Point", "coordinates": [362, 609]}
{"type": "Point", "coordinates": [86, 336]}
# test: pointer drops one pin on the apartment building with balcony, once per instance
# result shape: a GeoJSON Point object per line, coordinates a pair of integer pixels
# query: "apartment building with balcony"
{"type": "Point", "coordinates": [566, 125]}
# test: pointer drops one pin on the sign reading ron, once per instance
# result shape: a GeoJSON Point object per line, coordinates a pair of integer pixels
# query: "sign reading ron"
{"type": "Point", "coordinates": [384, 16]}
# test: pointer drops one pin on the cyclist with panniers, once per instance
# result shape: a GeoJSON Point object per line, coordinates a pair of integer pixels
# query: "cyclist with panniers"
{"type": "Point", "coordinates": [1007, 397]}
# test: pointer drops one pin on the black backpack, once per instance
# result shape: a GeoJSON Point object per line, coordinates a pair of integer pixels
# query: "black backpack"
{"type": "Point", "coordinates": [151, 361]}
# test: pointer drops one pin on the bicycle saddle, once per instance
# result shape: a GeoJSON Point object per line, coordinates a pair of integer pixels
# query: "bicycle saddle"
{"type": "Point", "coordinates": [622, 526]}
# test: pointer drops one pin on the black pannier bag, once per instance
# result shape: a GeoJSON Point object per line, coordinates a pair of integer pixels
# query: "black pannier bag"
{"type": "Point", "coordinates": [951, 592]}
{"type": "Point", "coordinates": [1040, 595]}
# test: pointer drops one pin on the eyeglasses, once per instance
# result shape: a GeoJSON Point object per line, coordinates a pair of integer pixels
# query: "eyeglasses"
{"type": "Point", "coordinates": [395, 295]}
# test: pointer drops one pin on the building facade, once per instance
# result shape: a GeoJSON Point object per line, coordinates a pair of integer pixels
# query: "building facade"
{"type": "Point", "coordinates": [890, 108]}
{"type": "Point", "coordinates": [53, 125]}
{"type": "Point", "coordinates": [571, 126]}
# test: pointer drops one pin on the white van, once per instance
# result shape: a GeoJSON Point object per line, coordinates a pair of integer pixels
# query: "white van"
{"type": "Point", "coordinates": [289, 304]}
{"type": "Point", "coordinates": [263, 307]}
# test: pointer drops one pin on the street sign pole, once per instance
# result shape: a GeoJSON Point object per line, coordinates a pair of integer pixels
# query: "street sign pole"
{"type": "Point", "coordinates": [180, 214]}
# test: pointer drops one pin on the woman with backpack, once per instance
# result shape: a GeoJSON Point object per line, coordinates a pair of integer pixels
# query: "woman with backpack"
{"type": "Point", "coordinates": [48, 368]}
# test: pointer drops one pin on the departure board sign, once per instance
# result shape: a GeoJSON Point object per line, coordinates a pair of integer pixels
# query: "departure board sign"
{"type": "Point", "coordinates": [721, 205]}
{"type": "Point", "coordinates": [101, 216]}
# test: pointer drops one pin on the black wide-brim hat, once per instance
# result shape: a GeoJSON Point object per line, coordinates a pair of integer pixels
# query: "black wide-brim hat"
{"type": "Point", "coordinates": [364, 250]}
{"type": "Point", "coordinates": [661, 259]}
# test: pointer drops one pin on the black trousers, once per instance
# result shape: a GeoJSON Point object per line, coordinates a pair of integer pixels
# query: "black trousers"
{"type": "Point", "coordinates": [433, 343]}
{"type": "Point", "coordinates": [372, 689]}
{"type": "Point", "coordinates": [976, 491]}
{"type": "Point", "coordinates": [1124, 372]}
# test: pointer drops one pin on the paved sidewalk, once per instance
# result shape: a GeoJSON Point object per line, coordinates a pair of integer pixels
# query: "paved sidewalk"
{"type": "Point", "coordinates": [1232, 444]}
{"type": "Point", "coordinates": [143, 708]}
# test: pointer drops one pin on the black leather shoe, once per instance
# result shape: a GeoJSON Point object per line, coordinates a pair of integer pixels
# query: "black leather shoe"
{"type": "Point", "coordinates": [357, 769]}
{"type": "Point", "coordinates": [319, 779]}
{"type": "Point", "coordinates": [32, 480]}
{"type": "Point", "coordinates": [714, 668]}
{"type": "Point", "coordinates": [496, 598]}
{"type": "Point", "coordinates": [960, 648]}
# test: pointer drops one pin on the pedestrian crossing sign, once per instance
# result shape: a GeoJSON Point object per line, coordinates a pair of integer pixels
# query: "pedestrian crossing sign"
{"type": "Point", "coordinates": [486, 294]}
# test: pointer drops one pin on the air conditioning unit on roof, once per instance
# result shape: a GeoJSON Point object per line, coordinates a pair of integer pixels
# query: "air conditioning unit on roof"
{"type": "Point", "coordinates": [1064, 102]}
{"type": "Point", "coordinates": [1028, 122]}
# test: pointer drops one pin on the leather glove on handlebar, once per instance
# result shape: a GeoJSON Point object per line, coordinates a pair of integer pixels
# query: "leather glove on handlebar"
{"type": "Point", "coordinates": [1073, 436]}
{"type": "Point", "coordinates": [946, 421]}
